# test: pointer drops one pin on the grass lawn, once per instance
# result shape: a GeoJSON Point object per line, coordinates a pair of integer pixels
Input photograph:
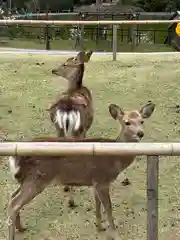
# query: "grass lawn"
{"type": "Point", "coordinates": [88, 44]}
{"type": "Point", "coordinates": [130, 82]}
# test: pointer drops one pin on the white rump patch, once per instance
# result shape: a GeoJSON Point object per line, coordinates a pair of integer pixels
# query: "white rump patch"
{"type": "Point", "coordinates": [13, 165]}
{"type": "Point", "coordinates": [74, 119]}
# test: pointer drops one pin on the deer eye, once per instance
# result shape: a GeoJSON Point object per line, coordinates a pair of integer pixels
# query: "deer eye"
{"type": "Point", "coordinates": [127, 123]}
{"type": "Point", "coordinates": [142, 122]}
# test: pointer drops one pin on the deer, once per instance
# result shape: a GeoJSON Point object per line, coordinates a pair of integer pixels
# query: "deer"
{"type": "Point", "coordinates": [87, 56]}
{"type": "Point", "coordinates": [72, 113]}
{"type": "Point", "coordinates": [35, 173]}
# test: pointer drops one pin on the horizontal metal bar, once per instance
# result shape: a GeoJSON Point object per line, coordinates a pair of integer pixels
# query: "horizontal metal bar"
{"type": "Point", "coordinates": [87, 148]}
{"type": "Point", "coordinates": [43, 14]}
{"type": "Point", "coordinates": [103, 22]}
{"type": "Point", "coordinates": [94, 13]}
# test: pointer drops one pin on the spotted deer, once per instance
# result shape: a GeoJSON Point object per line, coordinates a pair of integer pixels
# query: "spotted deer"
{"type": "Point", "coordinates": [72, 113]}
{"type": "Point", "coordinates": [35, 173]}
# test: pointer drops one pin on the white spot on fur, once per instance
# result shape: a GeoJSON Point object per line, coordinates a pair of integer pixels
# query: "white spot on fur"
{"type": "Point", "coordinates": [58, 118]}
{"type": "Point", "coordinates": [64, 119]}
{"type": "Point", "coordinates": [13, 165]}
{"type": "Point", "coordinates": [74, 119]}
{"type": "Point", "coordinates": [78, 121]}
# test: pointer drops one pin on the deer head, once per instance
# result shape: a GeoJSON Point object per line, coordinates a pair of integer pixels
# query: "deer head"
{"type": "Point", "coordinates": [131, 121]}
{"type": "Point", "coordinates": [73, 69]}
{"type": "Point", "coordinates": [86, 58]}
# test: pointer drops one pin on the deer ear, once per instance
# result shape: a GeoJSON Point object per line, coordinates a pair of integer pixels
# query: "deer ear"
{"type": "Point", "coordinates": [147, 109]}
{"type": "Point", "coordinates": [88, 55]}
{"type": "Point", "coordinates": [81, 57]}
{"type": "Point", "coordinates": [115, 111]}
{"type": "Point", "coordinates": [70, 59]}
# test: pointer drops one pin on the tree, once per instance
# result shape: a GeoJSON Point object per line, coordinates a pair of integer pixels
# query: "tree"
{"type": "Point", "coordinates": [54, 5]}
{"type": "Point", "coordinates": [157, 5]}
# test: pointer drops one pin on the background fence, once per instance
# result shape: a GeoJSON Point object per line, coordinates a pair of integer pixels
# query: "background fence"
{"type": "Point", "coordinates": [148, 38]}
{"type": "Point", "coordinates": [48, 30]}
{"type": "Point", "coordinates": [72, 38]}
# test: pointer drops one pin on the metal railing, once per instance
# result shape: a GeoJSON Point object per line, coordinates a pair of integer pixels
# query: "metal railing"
{"type": "Point", "coordinates": [114, 24]}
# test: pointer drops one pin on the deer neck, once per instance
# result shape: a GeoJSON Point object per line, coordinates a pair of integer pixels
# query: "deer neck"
{"type": "Point", "coordinates": [75, 80]}
{"type": "Point", "coordinates": [71, 85]}
{"type": "Point", "coordinates": [128, 159]}
{"type": "Point", "coordinates": [121, 137]}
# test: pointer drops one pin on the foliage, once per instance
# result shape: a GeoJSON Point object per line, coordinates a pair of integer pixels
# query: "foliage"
{"type": "Point", "coordinates": [37, 5]}
{"type": "Point", "coordinates": [157, 6]}
{"type": "Point", "coordinates": [54, 5]}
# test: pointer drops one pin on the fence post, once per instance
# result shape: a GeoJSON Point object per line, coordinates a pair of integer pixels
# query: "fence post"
{"type": "Point", "coordinates": [81, 34]}
{"type": "Point", "coordinates": [137, 30]}
{"type": "Point", "coordinates": [154, 37]}
{"type": "Point", "coordinates": [152, 197]}
{"type": "Point", "coordinates": [114, 42]}
{"type": "Point", "coordinates": [133, 33]}
{"type": "Point", "coordinates": [47, 31]}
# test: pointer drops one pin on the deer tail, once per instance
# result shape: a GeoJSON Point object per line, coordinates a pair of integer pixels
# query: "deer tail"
{"type": "Point", "coordinates": [68, 121]}
{"type": "Point", "coordinates": [14, 166]}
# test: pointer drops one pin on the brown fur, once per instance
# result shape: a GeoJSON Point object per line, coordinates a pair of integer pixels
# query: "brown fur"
{"type": "Point", "coordinates": [77, 98]}
{"type": "Point", "coordinates": [36, 173]}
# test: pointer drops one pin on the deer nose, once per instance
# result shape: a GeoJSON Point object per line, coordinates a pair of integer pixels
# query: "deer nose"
{"type": "Point", "coordinates": [140, 134]}
{"type": "Point", "coordinates": [54, 71]}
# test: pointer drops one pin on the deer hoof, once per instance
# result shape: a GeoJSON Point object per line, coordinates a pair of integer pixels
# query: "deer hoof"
{"type": "Point", "coordinates": [126, 182]}
{"type": "Point", "coordinates": [66, 189]}
{"type": "Point", "coordinates": [21, 229]}
{"type": "Point", "coordinates": [113, 235]}
{"type": "Point", "coordinates": [100, 228]}
{"type": "Point", "coordinates": [71, 204]}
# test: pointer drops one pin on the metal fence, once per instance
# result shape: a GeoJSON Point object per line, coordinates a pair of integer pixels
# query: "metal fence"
{"type": "Point", "coordinates": [75, 36]}
{"type": "Point", "coordinates": [100, 38]}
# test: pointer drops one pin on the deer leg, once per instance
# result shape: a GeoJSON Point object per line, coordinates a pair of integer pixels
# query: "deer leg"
{"type": "Point", "coordinates": [126, 181]}
{"type": "Point", "coordinates": [71, 202]}
{"type": "Point", "coordinates": [18, 224]}
{"type": "Point", "coordinates": [104, 197]}
{"type": "Point", "coordinates": [28, 190]}
{"type": "Point", "coordinates": [70, 191]}
{"type": "Point", "coordinates": [66, 188]}
{"type": "Point", "coordinates": [98, 212]}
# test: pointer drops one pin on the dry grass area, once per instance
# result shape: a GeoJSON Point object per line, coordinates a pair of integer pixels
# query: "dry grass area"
{"type": "Point", "coordinates": [27, 89]}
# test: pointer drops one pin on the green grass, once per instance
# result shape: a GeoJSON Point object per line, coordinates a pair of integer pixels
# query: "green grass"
{"type": "Point", "coordinates": [130, 82]}
{"type": "Point", "coordinates": [70, 45]}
